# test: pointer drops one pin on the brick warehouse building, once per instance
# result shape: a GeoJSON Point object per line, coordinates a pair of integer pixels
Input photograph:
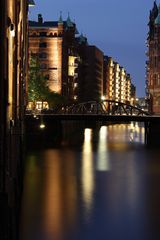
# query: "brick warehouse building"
{"type": "Point", "coordinates": [153, 61]}
{"type": "Point", "coordinates": [13, 75]}
{"type": "Point", "coordinates": [54, 43]}
{"type": "Point", "coordinates": [72, 67]}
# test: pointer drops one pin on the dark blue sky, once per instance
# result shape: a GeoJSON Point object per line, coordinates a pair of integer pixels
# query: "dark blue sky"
{"type": "Point", "coordinates": [117, 27]}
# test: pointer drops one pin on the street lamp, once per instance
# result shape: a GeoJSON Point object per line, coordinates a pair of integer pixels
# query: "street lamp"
{"type": "Point", "coordinates": [103, 98]}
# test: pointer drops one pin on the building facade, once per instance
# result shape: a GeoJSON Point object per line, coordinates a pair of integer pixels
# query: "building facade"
{"type": "Point", "coordinates": [13, 75]}
{"type": "Point", "coordinates": [72, 67]}
{"type": "Point", "coordinates": [153, 61]}
{"type": "Point", "coordinates": [90, 79]}
{"type": "Point", "coordinates": [117, 82]}
{"type": "Point", "coordinates": [53, 42]}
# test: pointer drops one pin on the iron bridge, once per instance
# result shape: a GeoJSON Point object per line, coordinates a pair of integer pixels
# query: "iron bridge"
{"type": "Point", "coordinates": [108, 110]}
{"type": "Point", "coordinates": [107, 107]}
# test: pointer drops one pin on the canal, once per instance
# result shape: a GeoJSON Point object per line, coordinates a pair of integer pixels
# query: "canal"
{"type": "Point", "coordinates": [94, 183]}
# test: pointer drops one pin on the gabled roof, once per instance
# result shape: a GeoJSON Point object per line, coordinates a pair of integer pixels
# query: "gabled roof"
{"type": "Point", "coordinates": [53, 24]}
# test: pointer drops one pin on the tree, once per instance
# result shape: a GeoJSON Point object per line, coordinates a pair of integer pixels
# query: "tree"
{"type": "Point", "coordinates": [55, 100]}
{"type": "Point", "coordinates": [37, 87]}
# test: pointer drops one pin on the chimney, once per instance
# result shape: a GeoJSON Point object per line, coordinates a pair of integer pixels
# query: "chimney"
{"type": "Point", "coordinates": [40, 18]}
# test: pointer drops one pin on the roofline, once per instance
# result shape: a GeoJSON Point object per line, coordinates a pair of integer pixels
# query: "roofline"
{"type": "Point", "coordinates": [41, 27]}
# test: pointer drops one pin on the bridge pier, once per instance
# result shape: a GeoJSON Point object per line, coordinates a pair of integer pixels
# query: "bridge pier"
{"type": "Point", "coordinates": [152, 133]}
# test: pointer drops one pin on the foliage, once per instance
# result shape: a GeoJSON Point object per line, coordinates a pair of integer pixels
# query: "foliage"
{"type": "Point", "coordinates": [38, 89]}
{"type": "Point", "coordinates": [55, 100]}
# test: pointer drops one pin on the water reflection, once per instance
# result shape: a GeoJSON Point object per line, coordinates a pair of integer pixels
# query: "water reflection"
{"type": "Point", "coordinates": [87, 171]}
{"type": "Point", "coordinates": [137, 132]}
{"type": "Point", "coordinates": [125, 133]}
{"type": "Point", "coordinates": [106, 188]}
{"type": "Point", "coordinates": [52, 197]}
{"type": "Point", "coordinates": [103, 161]}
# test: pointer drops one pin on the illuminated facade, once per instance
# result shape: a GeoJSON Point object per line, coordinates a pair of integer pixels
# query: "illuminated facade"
{"type": "Point", "coordinates": [72, 67]}
{"type": "Point", "coordinates": [153, 61]}
{"type": "Point", "coordinates": [54, 44]}
{"type": "Point", "coordinates": [127, 89]}
{"type": "Point", "coordinates": [108, 77]}
{"type": "Point", "coordinates": [13, 75]}
{"type": "Point", "coordinates": [116, 83]}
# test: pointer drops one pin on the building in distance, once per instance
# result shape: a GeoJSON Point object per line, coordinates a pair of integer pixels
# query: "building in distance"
{"type": "Point", "coordinates": [153, 61]}
{"type": "Point", "coordinates": [73, 68]}
{"type": "Point", "coordinates": [116, 82]}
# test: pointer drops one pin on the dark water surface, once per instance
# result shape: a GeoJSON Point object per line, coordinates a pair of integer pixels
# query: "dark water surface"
{"type": "Point", "coordinates": [98, 184]}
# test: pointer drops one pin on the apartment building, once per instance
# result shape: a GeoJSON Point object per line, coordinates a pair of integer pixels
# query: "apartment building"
{"type": "Point", "coordinates": [117, 82]}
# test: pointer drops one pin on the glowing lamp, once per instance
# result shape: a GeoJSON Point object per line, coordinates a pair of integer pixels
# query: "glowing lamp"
{"type": "Point", "coordinates": [42, 126]}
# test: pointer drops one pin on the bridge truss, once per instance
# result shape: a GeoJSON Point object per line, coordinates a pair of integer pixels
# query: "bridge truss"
{"type": "Point", "coordinates": [107, 107]}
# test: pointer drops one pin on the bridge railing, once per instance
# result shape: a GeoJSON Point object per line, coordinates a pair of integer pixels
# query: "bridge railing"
{"type": "Point", "coordinates": [106, 107]}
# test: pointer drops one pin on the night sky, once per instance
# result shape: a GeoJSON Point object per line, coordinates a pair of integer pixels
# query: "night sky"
{"type": "Point", "coordinates": [117, 27]}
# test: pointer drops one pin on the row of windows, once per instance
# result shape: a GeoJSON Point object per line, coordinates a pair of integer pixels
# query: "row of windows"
{"type": "Point", "coordinates": [155, 80]}
{"type": "Point", "coordinates": [154, 61]}
{"type": "Point", "coordinates": [45, 34]}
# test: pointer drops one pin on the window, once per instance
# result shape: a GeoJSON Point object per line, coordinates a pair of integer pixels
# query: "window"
{"type": "Point", "coordinates": [155, 61]}
{"type": "Point", "coordinates": [43, 45]}
{"type": "Point", "coordinates": [43, 55]}
{"type": "Point", "coordinates": [43, 66]}
{"type": "Point", "coordinates": [33, 34]}
{"type": "Point", "coordinates": [155, 79]}
{"type": "Point", "coordinates": [158, 80]}
{"type": "Point", "coordinates": [43, 34]}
